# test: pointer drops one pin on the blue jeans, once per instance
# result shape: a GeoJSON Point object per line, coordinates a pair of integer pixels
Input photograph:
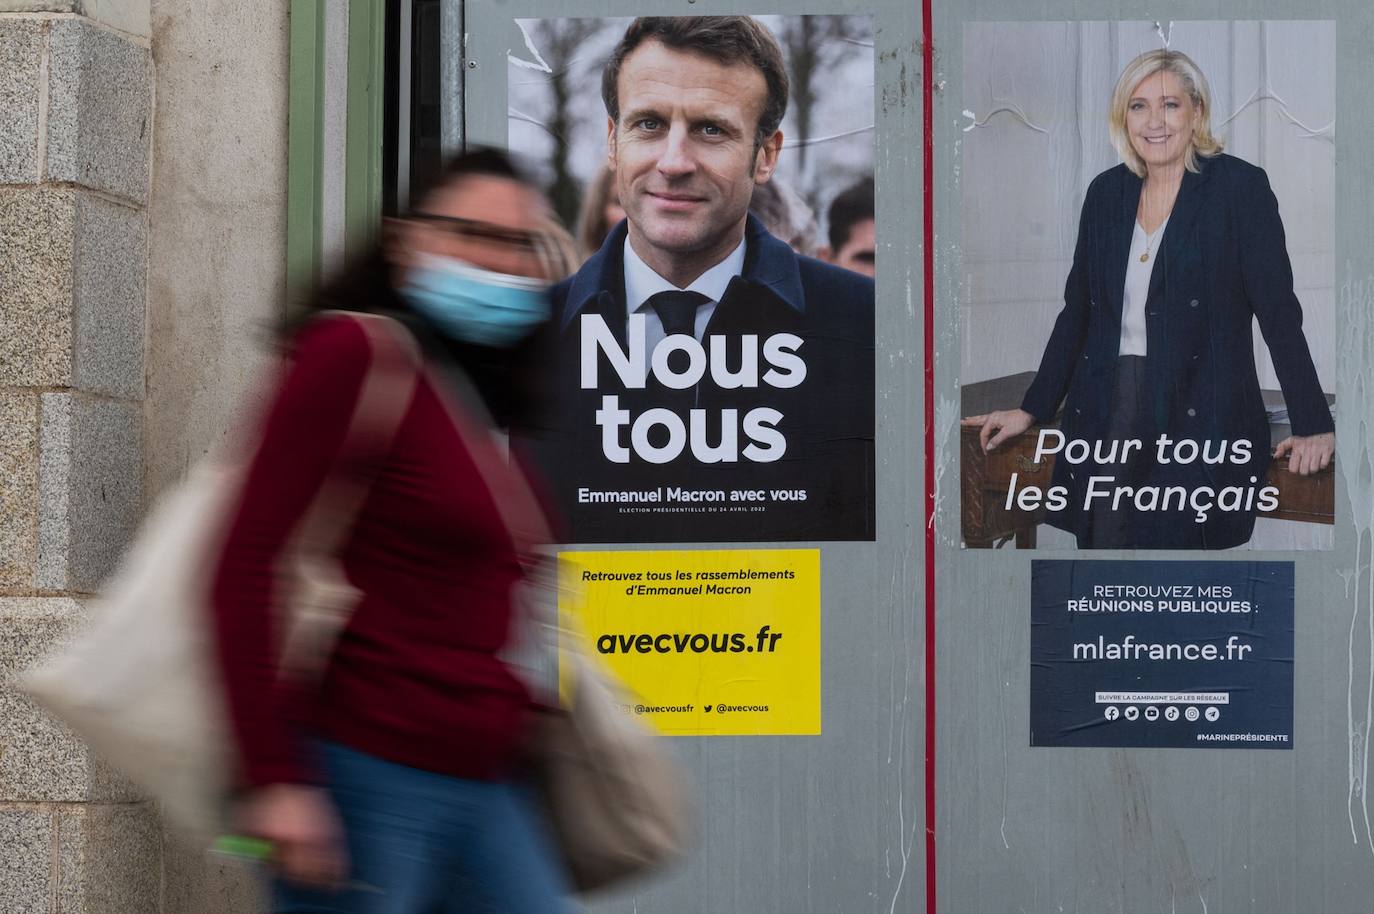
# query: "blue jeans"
{"type": "Point", "coordinates": [426, 843]}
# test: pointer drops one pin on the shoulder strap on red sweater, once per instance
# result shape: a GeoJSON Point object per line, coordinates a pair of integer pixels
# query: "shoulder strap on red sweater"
{"type": "Point", "coordinates": [383, 401]}
{"type": "Point", "coordinates": [520, 510]}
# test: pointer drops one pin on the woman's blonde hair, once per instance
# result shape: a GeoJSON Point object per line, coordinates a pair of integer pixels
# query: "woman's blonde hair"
{"type": "Point", "coordinates": [592, 227]}
{"type": "Point", "coordinates": [556, 249]}
{"type": "Point", "coordinates": [1194, 83]}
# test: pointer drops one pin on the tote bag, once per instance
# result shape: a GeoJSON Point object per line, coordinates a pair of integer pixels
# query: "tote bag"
{"type": "Point", "coordinates": [140, 682]}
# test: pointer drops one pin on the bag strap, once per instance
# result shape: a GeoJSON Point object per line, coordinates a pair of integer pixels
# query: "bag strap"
{"type": "Point", "coordinates": [533, 648]}
{"type": "Point", "coordinates": [383, 400]}
{"type": "Point", "coordinates": [515, 500]}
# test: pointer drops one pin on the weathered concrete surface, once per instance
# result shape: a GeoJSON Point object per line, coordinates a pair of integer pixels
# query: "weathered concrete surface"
{"type": "Point", "coordinates": [216, 276]}
{"type": "Point", "coordinates": [217, 212]}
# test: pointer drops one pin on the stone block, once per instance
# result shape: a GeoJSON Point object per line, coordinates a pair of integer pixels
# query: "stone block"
{"type": "Point", "coordinates": [18, 488]}
{"type": "Point", "coordinates": [73, 279]}
{"type": "Point", "coordinates": [25, 860]}
{"type": "Point", "coordinates": [99, 110]}
{"type": "Point", "coordinates": [89, 488]}
{"type": "Point", "coordinates": [37, 224]}
{"type": "Point", "coordinates": [109, 291]}
{"type": "Point", "coordinates": [199, 883]}
{"type": "Point", "coordinates": [109, 860]}
{"type": "Point", "coordinates": [133, 16]}
{"type": "Point", "coordinates": [40, 759]}
{"type": "Point", "coordinates": [21, 61]}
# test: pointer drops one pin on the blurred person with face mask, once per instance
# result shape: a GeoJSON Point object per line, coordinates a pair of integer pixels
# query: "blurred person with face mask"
{"type": "Point", "coordinates": [390, 784]}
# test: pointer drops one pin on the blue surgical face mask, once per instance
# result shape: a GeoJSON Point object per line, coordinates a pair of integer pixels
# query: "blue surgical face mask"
{"type": "Point", "coordinates": [475, 305]}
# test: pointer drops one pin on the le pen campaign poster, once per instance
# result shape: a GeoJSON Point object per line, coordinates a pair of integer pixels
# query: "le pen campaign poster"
{"type": "Point", "coordinates": [1148, 284]}
{"type": "Point", "coordinates": [715, 355]}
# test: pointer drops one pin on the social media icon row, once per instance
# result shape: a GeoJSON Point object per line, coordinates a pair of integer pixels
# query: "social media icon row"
{"type": "Point", "coordinates": [1152, 712]}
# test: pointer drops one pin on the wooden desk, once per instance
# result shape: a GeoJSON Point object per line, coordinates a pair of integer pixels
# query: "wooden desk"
{"type": "Point", "coordinates": [986, 522]}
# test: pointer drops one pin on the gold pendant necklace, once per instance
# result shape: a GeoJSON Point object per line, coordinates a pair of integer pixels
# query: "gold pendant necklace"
{"type": "Point", "coordinates": [1149, 240]}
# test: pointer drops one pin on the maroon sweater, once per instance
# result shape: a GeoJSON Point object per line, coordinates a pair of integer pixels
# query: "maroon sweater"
{"type": "Point", "coordinates": [414, 678]}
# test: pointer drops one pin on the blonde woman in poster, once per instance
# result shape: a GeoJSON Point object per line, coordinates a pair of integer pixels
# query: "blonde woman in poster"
{"type": "Point", "coordinates": [1180, 248]}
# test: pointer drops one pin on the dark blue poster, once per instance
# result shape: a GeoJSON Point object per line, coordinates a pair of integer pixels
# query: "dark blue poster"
{"type": "Point", "coordinates": [1162, 654]}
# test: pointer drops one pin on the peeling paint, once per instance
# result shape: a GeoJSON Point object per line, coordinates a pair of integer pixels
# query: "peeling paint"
{"type": "Point", "coordinates": [517, 115]}
{"type": "Point", "coordinates": [899, 722]}
{"type": "Point", "coordinates": [1011, 108]}
{"type": "Point", "coordinates": [1165, 33]}
{"type": "Point", "coordinates": [1327, 133]}
{"type": "Point", "coordinates": [1356, 466]}
{"type": "Point", "coordinates": [538, 64]}
{"type": "Point", "coordinates": [813, 141]}
{"type": "Point", "coordinates": [946, 417]}
{"type": "Point", "coordinates": [1006, 767]}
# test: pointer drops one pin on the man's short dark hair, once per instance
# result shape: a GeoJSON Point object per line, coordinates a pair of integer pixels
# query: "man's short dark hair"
{"type": "Point", "coordinates": [851, 206]}
{"type": "Point", "coordinates": [726, 39]}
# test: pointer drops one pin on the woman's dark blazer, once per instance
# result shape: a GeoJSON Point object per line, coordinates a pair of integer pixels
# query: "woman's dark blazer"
{"type": "Point", "coordinates": [1221, 263]}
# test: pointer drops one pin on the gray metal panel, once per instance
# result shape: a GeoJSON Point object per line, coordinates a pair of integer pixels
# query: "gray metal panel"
{"type": "Point", "coordinates": [404, 57]}
{"type": "Point", "coordinates": [333, 166]}
{"type": "Point", "coordinates": [1106, 830]}
{"type": "Point", "coordinates": [831, 823]}
{"type": "Point", "coordinates": [451, 75]}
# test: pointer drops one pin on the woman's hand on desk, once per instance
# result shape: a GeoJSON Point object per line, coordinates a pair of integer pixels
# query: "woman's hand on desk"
{"type": "Point", "coordinates": [1307, 454]}
{"type": "Point", "coordinates": [999, 426]}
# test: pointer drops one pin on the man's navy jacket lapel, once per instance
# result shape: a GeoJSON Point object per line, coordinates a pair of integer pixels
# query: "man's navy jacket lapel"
{"type": "Point", "coordinates": [769, 264]}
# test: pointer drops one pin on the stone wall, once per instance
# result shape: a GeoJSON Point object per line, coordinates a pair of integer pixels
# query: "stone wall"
{"type": "Point", "coordinates": [142, 242]}
{"type": "Point", "coordinates": [76, 121]}
{"type": "Point", "coordinates": [216, 278]}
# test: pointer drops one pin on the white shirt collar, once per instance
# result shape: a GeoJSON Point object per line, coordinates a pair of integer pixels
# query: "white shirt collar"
{"type": "Point", "coordinates": [641, 282]}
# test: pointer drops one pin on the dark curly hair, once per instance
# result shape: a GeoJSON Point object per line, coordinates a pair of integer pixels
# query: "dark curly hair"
{"type": "Point", "coordinates": [510, 381]}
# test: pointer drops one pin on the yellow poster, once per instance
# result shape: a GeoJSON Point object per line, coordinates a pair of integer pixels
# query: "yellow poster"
{"type": "Point", "coordinates": [708, 643]}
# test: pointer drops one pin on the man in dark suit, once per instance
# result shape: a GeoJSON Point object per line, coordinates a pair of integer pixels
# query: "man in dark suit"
{"type": "Point", "coordinates": [717, 386]}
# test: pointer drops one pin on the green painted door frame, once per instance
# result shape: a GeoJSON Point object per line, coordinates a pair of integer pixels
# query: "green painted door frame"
{"type": "Point", "coordinates": [363, 143]}
{"type": "Point", "coordinates": [364, 88]}
{"type": "Point", "coordinates": [305, 146]}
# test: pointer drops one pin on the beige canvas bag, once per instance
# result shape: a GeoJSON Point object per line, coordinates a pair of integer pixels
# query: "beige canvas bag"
{"type": "Point", "coordinates": [140, 682]}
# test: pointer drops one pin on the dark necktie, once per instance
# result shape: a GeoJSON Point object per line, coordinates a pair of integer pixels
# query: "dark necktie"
{"type": "Point", "coordinates": [678, 310]}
